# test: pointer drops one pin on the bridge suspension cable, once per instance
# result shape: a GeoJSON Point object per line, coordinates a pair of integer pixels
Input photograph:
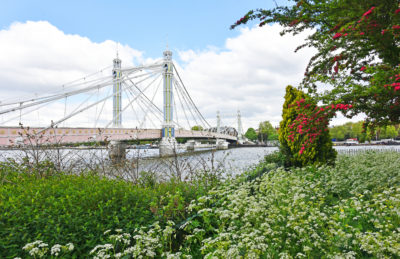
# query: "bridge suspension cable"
{"type": "Point", "coordinates": [137, 85]}
{"type": "Point", "coordinates": [194, 105]}
{"type": "Point", "coordinates": [50, 93]}
{"type": "Point", "coordinates": [109, 123]}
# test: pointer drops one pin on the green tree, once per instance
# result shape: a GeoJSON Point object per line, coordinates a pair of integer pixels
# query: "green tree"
{"type": "Point", "coordinates": [251, 134]}
{"type": "Point", "coordinates": [337, 132]}
{"type": "Point", "coordinates": [265, 131]}
{"type": "Point", "coordinates": [357, 51]}
{"type": "Point", "coordinates": [357, 129]}
{"type": "Point", "coordinates": [197, 128]}
{"type": "Point", "coordinates": [274, 136]}
{"type": "Point", "coordinates": [348, 130]}
{"type": "Point", "coordinates": [388, 132]}
{"type": "Point", "coordinates": [292, 145]}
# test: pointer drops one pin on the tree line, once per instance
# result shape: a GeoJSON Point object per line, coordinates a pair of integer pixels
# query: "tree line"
{"type": "Point", "coordinates": [355, 130]}
{"type": "Point", "coordinates": [264, 132]}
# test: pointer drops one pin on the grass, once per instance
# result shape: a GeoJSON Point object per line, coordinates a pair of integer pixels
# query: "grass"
{"type": "Point", "coordinates": [351, 210]}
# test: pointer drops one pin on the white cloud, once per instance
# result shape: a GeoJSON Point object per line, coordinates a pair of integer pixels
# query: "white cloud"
{"type": "Point", "coordinates": [249, 74]}
{"type": "Point", "coordinates": [37, 57]}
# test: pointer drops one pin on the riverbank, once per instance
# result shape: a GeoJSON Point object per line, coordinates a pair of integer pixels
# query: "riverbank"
{"type": "Point", "coordinates": [350, 210]}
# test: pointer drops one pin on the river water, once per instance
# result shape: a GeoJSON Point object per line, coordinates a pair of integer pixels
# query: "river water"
{"type": "Point", "coordinates": [226, 162]}
{"type": "Point", "coordinates": [232, 161]}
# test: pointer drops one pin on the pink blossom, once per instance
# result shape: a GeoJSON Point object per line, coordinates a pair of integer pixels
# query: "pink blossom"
{"type": "Point", "coordinates": [369, 11]}
{"type": "Point", "coordinates": [337, 35]}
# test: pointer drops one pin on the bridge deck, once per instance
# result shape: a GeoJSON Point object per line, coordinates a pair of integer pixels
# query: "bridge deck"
{"type": "Point", "coordinates": [10, 136]}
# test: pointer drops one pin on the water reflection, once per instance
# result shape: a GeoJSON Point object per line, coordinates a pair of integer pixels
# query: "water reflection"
{"type": "Point", "coordinates": [232, 161]}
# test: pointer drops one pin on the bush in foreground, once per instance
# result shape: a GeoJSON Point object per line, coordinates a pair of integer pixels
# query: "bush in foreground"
{"type": "Point", "coordinates": [62, 209]}
{"type": "Point", "coordinates": [347, 211]}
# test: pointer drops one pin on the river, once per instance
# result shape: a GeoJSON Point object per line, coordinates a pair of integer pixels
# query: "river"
{"type": "Point", "coordinates": [225, 162]}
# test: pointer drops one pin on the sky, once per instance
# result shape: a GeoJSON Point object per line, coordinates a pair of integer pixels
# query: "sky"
{"type": "Point", "coordinates": [44, 44]}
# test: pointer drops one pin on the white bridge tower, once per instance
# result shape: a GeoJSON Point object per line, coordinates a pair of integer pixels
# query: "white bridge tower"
{"type": "Point", "coordinates": [168, 142]}
{"type": "Point", "coordinates": [240, 128]}
{"type": "Point", "coordinates": [117, 116]}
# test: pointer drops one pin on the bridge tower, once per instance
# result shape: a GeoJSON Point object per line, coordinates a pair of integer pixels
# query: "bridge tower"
{"type": "Point", "coordinates": [168, 142]}
{"type": "Point", "coordinates": [218, 122]}
{"type": "Point", "coordinates": [117, 114]}
{"type": "Point", "coordinates": [220, 143]}
{"type": "Point", "coordinates": [240, 127]}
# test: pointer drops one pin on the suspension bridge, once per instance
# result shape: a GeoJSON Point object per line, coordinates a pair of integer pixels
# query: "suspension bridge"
{"type": "Point", "coordinates": [88, 99]}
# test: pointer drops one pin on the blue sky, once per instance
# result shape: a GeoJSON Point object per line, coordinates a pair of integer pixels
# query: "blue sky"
{"type": "Point", "coordinates": [143, 25]}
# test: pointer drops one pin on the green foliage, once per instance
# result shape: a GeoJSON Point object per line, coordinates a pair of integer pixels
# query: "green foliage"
{"type": "Point", "coordinates": [266, 131]}
{"type": "Point", "coordinates": [389, 132]}
{"type": "Point", "coordinates": [355, 130]}
{"type": "Point", "coordinates": [289, 114]}
{"type": "Point", "coordinates": [348, 130]}
{"type": "Point", "coordinates": [197, 128]}
{"type": "Point", "coordinates": [251, 134]}
{"type": "Point", "coordinates": [329, 212]}
{"type": "Point", "coordinates": [318, 152]}
{"type": "Point", "coordinates": [274, 136]}
{"type": "Point", "coordinates": [277, 158]}
{"type": "Point", "coordinates": [370, 171]}
{"type": "Point", "coordinates": [78, 209]}
{"type": "Point", "coordinates": [357, 51]}
{"type": "Point", "coordinates": [349, 210]}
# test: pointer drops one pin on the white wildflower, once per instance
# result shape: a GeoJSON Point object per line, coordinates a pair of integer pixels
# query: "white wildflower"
{"type": "Point", "coordinates": [55, 250]}
{"type": "Point", "coordinates": [70, 246]}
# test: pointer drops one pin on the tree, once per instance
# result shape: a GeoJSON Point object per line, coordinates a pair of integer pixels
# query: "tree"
{"type": "Point", "coordinates": [355, 130]}
{"type": "Point", "coordinates": [197, 128]}
{"type": "Point", "coordinates": [358, 52]}
{"type": "Point", "coordinates": [388, 132]}
{"type": "Point", "coordinates": [265, 131]}
{"type": "Point", "coordinates": [251, 134]}
{"type": "Point", "coordinates": [303, 134]}
{"type": "Point", "coordinates": [337, 133]}
{"type": "Point", "coordinates": [348, 130]}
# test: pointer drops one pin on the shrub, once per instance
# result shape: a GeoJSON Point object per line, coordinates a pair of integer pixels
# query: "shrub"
{"type": "Point", "coordinates": [78, 209]}
{"type": "Point", "coordinates": [297, 148]}
{"type": "Point", "coordinates": [276, 157]}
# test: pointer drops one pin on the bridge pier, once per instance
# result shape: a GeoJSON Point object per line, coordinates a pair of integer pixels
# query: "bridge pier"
{"type": "Point", "coordinates": [117, 151]}
{"type": "Point", "coordinates": [221, 144]}
{"type": "Point", "coordinates": [190, 145]}
{"type": "Point", "coordinates": [168, 147]}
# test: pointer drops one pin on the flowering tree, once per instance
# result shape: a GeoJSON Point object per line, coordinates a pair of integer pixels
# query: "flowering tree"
{"type": "Point", "coordinates": [303, 131]}
{"type": "Point", "coordinates": [358, 52]}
